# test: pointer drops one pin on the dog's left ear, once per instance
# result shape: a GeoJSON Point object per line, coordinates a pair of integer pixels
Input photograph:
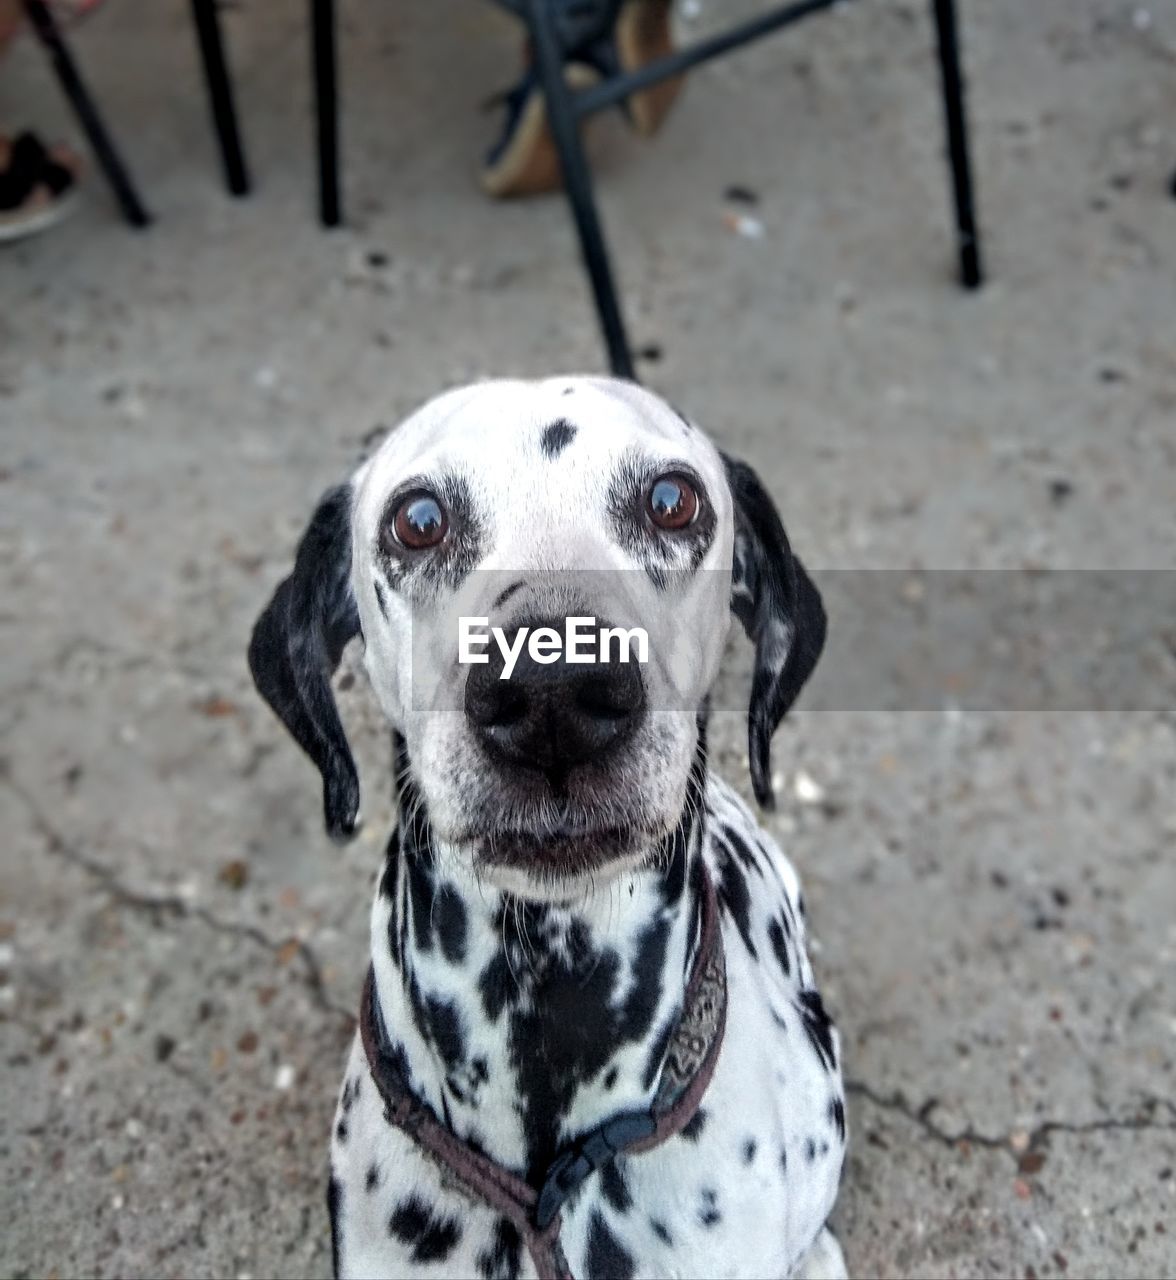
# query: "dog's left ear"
{"type": "Point", "coordinates": [781, 611]}
{"type": "Point", "coordinates": [296, 646]}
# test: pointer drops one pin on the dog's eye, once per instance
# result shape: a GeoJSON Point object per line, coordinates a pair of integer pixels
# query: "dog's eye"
{"type": "Point", "coordinates": [420, 522]}
{"type": "Point", "coordinates": [672, 502]}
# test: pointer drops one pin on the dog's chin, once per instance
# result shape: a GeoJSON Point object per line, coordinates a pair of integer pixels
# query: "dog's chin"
{"type": "Point", "coordinates": [559, 865]}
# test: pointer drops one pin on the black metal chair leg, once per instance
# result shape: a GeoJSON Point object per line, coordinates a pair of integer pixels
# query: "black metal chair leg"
{"type": "Point", "coordinates": [42, 21]}
{"type": "Point", "coordinates": [326, 109]}
{"type": "Point", "coordinates": [968, 238]}
{"type": "Point", "coordinates": [561, 115]}
{"type": "Point", "coordinates": [220, 94]}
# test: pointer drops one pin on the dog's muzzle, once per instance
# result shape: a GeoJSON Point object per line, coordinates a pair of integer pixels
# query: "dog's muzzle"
{"type": "Point", "coordinates": [548, 718]}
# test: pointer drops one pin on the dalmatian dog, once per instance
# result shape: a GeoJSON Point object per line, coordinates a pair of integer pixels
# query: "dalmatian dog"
{"type": "Point", "coordinates": [573, 910]}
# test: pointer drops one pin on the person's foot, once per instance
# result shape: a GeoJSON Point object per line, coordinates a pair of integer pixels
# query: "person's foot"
{"type": "Point", "coordinates": [643, 35]}
{"type": "Point", "coordinates": [38, 186]}
{"type": "Point", "coordinates": [524, 161]}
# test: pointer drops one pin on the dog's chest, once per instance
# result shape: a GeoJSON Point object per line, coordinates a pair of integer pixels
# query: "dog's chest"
{"type": "Point", "coordinates": [744, 1189]}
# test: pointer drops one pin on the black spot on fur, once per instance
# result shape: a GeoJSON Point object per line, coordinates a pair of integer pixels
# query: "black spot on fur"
{"type": "Point", "coordinates": [432, 1239]}
{"type": "Point", "coordinates": [496, 986]}
{"type": "Point", "coordinates": [642, 1000]}
{"type": "Point", "coordinates": [556, 438]}
{"type": "Point", "coordinates": [447, 1034]}
{"type": "Point", "coordinates": [341, 1131]}
{"type": "Point", "coordinates": [380, 599]}
{"type": "Point", "coordinates": [741, 848]}
{"type": "Point", "coordinates": [450, 917]}
{"type": "Point", "coordinates": [466, 1086]}
{"type": "Point", "coordinates": [784, 1161]}
{"type": "Point", "coordinates": [606, 1258]}
{"type": "Point", "coordinates": [614, 1187]}
{"type": "Point", "coordinates": [502, 1260]}
{"type": "Point", "coordinates": [660, 1230]}
{"type": "Point", "coordinates": [391, 864]}
{"type": "Point", "coordinates": [708, 1210]}
{"type": "Point", "coordinates": [749, 1151]}
{"type": "Point", "coordinates": [388, 891]}
{"type": "Point", "coordinates": [440, 1022]}
{"type": "Point", "coordinates": [396, 936]}
{"type": "Point", "coordinates": [372, 1181]}
{"type": "Point", "coordinates": [692, 1129]}
{"type": "Point", "coordinates": [810, 1150]}
{"type": "Point", "coordinates": [350, 1093]}
{"type": "Point", "coordinates": [334, 1210]}
{"type": "Point", "coordinates": [573, 1015]}
{"type": "Point", "coordinates": [676, 848]}
{"type": "Point", "coordinates": [610, 1078]}
{"type": "Point", "coordinates": [818, 1027]}
{"type": "Point", "coordinates": [698, 890]}
{"type": "Point", "coordinates": [573, 1018]}
{"type": "Point", "coordinates": [421, 895]}
{"type": "Point", "coordinates": [395, 1060]}
{"type": "Point", "coordinates": [780, 946]}
{"type": "Point", "coordinates": [733, 894]}
{"type": "Point", "coordinates": [567, 391]}
{"type": "Point", "coordinates": [837, 1117]}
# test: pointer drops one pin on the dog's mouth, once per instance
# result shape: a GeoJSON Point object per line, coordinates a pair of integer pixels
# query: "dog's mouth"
{"type": "Point", "coordinates": [570, 849]}
{"type": "Point", "coordinates": [561, 847]}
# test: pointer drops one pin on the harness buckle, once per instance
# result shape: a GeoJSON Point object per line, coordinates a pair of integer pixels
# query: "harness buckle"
{"type": "Point", "coordinates": [584, 1156]}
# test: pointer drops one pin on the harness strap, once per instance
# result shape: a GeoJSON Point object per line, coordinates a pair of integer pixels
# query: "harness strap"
{"type": "Point", "coordinates": [476, 1175]}
{"type": "Point", "coordinates": [689, 1064]}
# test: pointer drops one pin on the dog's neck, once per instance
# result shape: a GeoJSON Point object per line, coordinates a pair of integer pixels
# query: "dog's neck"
{"type": "Point", "coordinates": [525, 1024]}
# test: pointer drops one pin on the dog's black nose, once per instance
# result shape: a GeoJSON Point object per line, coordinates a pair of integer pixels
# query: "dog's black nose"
{"type": "Point", "coordinates": [553, 716]}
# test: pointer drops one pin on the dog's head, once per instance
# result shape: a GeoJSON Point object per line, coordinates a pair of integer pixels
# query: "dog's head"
{"type": "Point", "coordinates": [496, 511]}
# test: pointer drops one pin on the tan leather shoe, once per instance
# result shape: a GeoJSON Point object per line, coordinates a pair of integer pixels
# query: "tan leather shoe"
{"type": "Point", "coordinates": [524, 161]}
{"type": "Point", "coordinates": [643, 34]}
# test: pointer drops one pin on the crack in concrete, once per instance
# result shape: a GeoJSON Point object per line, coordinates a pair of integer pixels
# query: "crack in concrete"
{"type": "Point", "coordinates": [922, 1116]}
{"type": "Point", "coordinates": [1143, 1119]}
{"type": "Point", "coordinates": [172, 904]}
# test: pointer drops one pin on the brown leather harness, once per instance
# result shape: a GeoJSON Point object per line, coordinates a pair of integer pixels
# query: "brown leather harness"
{"type": "Point", "coordinates": [689, 1064]}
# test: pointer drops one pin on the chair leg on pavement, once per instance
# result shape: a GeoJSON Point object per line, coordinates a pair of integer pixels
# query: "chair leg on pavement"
{"type": "Point", "coordinates": [220, 94]}
{"type": "Point", "coordinates": [326, 109]}
{"type": "Point", "coordinates": [967, 236]}
{"type": "Point", "coordinates": [561, 115]}
{"type": "Point", "coordinates": [43, 23]}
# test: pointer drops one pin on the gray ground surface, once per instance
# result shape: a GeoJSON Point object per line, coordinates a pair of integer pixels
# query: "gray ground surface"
{"type": "Point", "coordinates": [993, 892]}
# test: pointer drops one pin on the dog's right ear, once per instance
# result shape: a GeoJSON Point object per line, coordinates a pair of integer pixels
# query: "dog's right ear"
{"type": "Point", "coordinates": [296, 646]}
